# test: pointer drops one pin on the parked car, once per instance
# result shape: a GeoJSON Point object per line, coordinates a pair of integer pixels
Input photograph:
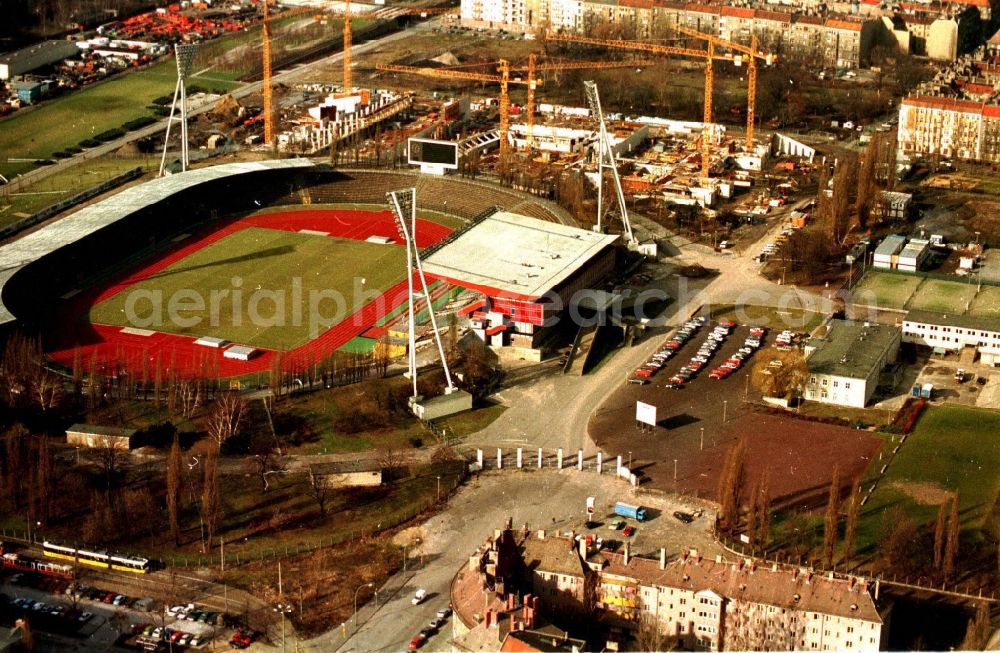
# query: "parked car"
{"type": "Point", "coordinates": [683, 516]}
{"type": "Point", "coordinates": [444, 613]}
{"type": "Point", "coordinates": [417, 641]}
{"type": "Point", "coordinates": [419, 596]}
{"type": "Point", "coordinates": [629, 530]}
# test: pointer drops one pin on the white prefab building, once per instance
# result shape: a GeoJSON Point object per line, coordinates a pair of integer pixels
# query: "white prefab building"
{"type": "Point", "coordinates": [845, 363]}
{"type": "Point", "coordinates": [951, 333]}
{"type": "Point", "coordinates": [887, 252]}
{"type": "Point", "coordinates": [913, 255]}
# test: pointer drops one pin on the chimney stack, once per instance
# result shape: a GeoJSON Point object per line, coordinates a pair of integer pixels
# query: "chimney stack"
{"type": "Point", "coordinates": [663, 558]}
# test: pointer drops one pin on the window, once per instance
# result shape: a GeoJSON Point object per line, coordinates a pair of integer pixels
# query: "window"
{"type": "Point", "coordinates": [849, 644]}
{"type": "Point", "coordinates": [683, 601]}
{"type": "Point", "coordinates": [812, 380]}
{"type": "Point", "coordinates": [850, 629]}
{"type": "Point", "coordinates": [847, 385]}
{"type": "Point", "coordinates": [836, 384]}
{"type": "Point", "coordinates": [824, 394]}
{"type": "Point", "coordinates": [825, 381]}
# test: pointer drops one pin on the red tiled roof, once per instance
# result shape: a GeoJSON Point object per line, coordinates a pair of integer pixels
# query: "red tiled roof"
{"type": "Point", "coordinates": [945, 104]}
{"type": "Point", "coordinates": [837, 23]}
{"type": "Point", "coordinates": [741, 12]}
{"type": "Point", "coordinates": [991, 111]}
{"type": "Point", "coordinates": [809, 20]}
{"type": "Point", "coordinates": [780, 16]}
{"type": "Point", "coordinates": [492, 331]}
{"type": "Point", "coordinates": [703, 9]}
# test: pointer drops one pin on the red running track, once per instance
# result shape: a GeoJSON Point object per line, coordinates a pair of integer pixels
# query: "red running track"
{"type": "Point", "coordinates": [109, 350]}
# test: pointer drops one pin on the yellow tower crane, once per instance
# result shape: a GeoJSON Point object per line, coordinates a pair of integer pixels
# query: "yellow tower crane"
{"type": "Point", "coordinates": [752, 54]}
{"type": "Point", "coordinates": [267, 91]}
{"type": "Point", "coordinates": [347, 46]}
{"type": "Point", "coordinates": [655, 48]}
{"type": "Point", "coordinates": [535, 67]}
{"type": "Point", "coordinates": [503, 79]}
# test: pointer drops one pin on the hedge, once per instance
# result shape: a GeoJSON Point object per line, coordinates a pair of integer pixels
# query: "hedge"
{"type": "Point", "coordinates": [109, 135]}
{"type": "Point", "coordinates": [89, 142]}
{"type": "Point", "coordinates": [138, 123]}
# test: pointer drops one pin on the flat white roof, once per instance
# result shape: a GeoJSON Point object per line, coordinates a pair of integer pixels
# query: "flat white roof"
{"type": "Point", "coordinates": [516, 255]}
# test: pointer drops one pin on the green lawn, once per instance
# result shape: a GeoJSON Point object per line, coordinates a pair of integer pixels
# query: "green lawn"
{"type": "Point", "coordinates": [952, 448]}
{"type": "Point", "coordinates": [64, 184]}
{"type": "Point", "coordinates": [943, 296]}
{"type": "Point", "coordinates": [885, 289]}
{"type": "Point", "coordinates": [987, 303]}
{"type": "Point", "coordinates": [772, 317]}
{"type": "Point", "coordinates": [37, 133]}
{"type": "Point", "coordinates": [267, 266]}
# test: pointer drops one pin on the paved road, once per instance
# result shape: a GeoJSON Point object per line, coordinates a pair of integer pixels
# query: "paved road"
{"type": "Point", "coordinates": [548, 499]}
{"type": "Point", "coordinates": [195, 108]}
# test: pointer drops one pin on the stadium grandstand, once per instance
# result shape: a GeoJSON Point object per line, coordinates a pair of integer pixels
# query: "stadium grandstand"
{"type": "Point", "coordinates": [528, 271]}
{"type": "Point", "coordinates": [47, 277]}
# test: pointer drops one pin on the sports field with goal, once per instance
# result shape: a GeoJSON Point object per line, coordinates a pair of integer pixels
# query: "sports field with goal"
{"type": "Point", "coordinates": [267, 288]}
{"type": "Point", "coordinates": [893, 290]}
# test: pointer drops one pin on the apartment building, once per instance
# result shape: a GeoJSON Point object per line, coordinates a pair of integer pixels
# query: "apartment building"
{"type": "Point", "coordinates": [952, 333]}
{"type": "Point", "coordinates": [949, 128]}
{"type": "Point", "coordinates": [834, 40]}
{"type": "Point", "coordinates": [704, 604]}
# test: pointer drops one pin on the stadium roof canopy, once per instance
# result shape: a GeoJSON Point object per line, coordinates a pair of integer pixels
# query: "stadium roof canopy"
{"type": "Point", "coordinates": [516, 256]}
{"type": "Point", "coordinates": [95, 217]}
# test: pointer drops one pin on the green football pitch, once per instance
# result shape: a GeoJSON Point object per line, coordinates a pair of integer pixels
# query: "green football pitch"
{"type": "Point", "coordinates": [262, 287]}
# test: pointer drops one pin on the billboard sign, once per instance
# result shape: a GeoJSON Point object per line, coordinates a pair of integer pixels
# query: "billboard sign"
{"type": "Point", "coordinates": [431, 154]}
{"type": "Point", "coordinates": [645, 413]}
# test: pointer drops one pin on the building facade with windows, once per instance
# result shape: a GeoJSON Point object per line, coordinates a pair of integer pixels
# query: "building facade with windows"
{"type": "Point", "coordinates": [952, 333]}
{"type": "Point", "coordinates": [702, 604]}
{"type": "Point", "coordinates": [948, 128]}
{"type": "Point", "coordinates": [846, 360]}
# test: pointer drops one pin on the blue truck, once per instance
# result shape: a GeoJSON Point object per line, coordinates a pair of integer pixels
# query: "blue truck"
{"type": "Point", "coordinates": [637, 513]}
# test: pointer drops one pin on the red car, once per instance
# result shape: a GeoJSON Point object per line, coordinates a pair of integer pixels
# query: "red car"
{"type": "Point", "coordinates": [644, 372]}
{"type": "Point", "coordinates": [720, 373]}
{"type": "Point", "coordinates": [628, 532]}
{"type": "Point", "coordinates": [417, 641]}
{"type": "Point", "coordinates": [729, 324]}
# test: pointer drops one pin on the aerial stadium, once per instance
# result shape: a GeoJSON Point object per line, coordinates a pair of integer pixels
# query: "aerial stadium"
{"type": "Point", "coordinates": [250, 267]}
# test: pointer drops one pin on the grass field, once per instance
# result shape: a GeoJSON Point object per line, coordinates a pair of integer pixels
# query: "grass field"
{"type": "Point", "coordinates": [987, 303]}
{"type": "Point", "coordinates": [268, 312]}
{"type": "Point", "coordinates": [943, 296]}
{"type": "Point", "coordinates": [37, 133]}
{"type": "Point", "coordinates": [64, 184]}
{"type": "Point", "coordinates": [952, 449]}
{"type": "Point", "coordinates": [885, 289]}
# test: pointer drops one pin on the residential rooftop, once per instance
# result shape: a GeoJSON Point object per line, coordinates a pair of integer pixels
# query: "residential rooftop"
{"type": "Point", "coordinates": [850, 349]}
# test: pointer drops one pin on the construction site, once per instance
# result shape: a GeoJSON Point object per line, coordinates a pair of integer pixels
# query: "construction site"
{"type": "Point", "coordinates": [521, 115]}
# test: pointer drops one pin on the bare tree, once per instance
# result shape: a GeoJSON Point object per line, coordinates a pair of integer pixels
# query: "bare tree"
{"type": "Point", "coordinates": [652, 635]}
{"type": "Point", "coordinates": [110, 457]}
{"type": "Point", "coordinates": [226, 418]}
{"type": "Point", "coordinates": [264, 461]}
{"type": "Point", "coordinates": [189, 395]}
{"type": "Point", "coordinates": [853, 511]}
{"type": "Point", "coordinates": [939, 534]}
{"type": "Point", "coordinates": [779, 373]}
{"type": "Point", "coordinates": [731, 485]}
{"type": "Point", "coordinates": [175, 471]}
{"type": "Point", "coordinates": [977, 632]}
{"type": "Point", "coordinates": [831, 519]}
{"type": "Point", "coordinates": [951, 542]}
{"type": "Point", "coordinates": [319, 491]}
{"type": "Point", "coordinates": [389, 458]}
{"type": "Point", "coordinates": [211, 506]}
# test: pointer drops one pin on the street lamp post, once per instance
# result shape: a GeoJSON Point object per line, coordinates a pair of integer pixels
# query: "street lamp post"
{"type": "Point", "coordinates": [675, 470]}
{"type": "Point", "coordinates": [725, 405]}
{"type": "Point", "coordinates": [363, 585]}
{"type": "Point", "coordinates": [439, 488]}
{"type": "Point", "coordinates": [630, 460]}
{"type": "Point", "coordinates": [701, 444]}
{"type": "Point", "coordinates": [282, 609]}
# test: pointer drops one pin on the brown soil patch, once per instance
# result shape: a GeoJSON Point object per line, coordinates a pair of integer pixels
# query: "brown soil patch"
{"type": "Point", "coordinates": [928, 494]}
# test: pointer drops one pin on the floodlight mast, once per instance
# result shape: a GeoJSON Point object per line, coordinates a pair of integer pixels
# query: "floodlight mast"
{"type": "Point", "coordinates": [606, 160]}
{"type": "Point", "coordinates": [184, 54]}
{"type": "Point", "coordinates": [404, 208]}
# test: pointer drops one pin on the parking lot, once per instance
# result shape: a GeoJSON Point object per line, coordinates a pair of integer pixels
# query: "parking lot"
{"type": "Point", "coordinates": [94, 618]}
{"type": "Point", "coordinates": [698, 423]}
